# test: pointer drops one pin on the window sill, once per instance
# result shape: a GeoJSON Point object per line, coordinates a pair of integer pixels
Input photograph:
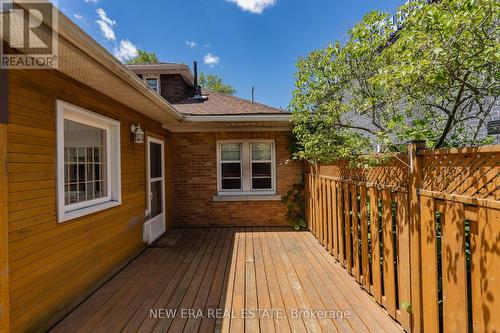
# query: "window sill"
{"type": "Point", "coordinates": [237, 197]}
{"type": "Point", "coordinates": [68, 216]}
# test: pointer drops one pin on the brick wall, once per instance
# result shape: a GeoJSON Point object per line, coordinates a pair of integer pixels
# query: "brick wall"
{"type": "Point", "coordinates": [194, 174]}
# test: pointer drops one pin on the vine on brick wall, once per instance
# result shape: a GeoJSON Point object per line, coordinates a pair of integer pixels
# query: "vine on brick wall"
{"type": "Point", "coordinates": [295, 202]}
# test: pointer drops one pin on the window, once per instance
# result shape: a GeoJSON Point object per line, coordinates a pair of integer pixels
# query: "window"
{"type": "Point", "coordinates": [246, 167]}
{"type": "Point", "coordinates": [88, 152]}
{"type": "Point", "coordinates": [153, 83]}
{"type": "Point", "coordinates": [262, 163]}
{"type": "Point", "coordinates": [231, 166]}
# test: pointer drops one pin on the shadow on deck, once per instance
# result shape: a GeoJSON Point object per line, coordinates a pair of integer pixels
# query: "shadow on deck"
{"type": "Point", "coordinates": [231, 280]}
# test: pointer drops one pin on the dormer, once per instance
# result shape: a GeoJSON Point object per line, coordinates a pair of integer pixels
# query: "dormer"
{"type": "Point", "coordinates": [174, 82]}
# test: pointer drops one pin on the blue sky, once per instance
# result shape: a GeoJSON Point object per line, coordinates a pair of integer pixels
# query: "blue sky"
{"type": "Point", "coordinates": [247, 42]}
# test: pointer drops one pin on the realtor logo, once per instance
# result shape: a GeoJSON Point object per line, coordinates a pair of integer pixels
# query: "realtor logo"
{"type": "Point", "coordinates": [28, 33]}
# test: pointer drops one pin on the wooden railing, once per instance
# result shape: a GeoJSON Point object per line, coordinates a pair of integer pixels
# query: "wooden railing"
{"type": "Point", "coordinates": [420, 233]}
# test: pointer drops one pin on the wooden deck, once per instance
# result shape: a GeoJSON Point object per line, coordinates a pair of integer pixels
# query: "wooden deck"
{"type": "Point", "coordinates": [233, 280]}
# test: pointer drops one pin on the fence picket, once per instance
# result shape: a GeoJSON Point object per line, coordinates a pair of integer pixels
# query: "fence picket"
{"type": "Point", "coordinates": [322, 222]}
{"type": "Point", "coordinates": [429, 265]}
{"type": "Point", "coordinates": [454, 268]}
{"type": "Point", "coordinates": [317, 214]}
{"type": "Point", "coordinates": [388, 254]}
{"type": "Point", "coordinates": [329, 221]}
{"type": "Point", "coordinates": [355, 236]}
{"type": "Point", "coordinates": [347, 227]}
{"type": "Point", "coordinates": [340, 222]}
{"type": "Point", "coordinates": [335, 217]}
{"type": "Point", "coordinates": [485, 269]}
{"type": "Point", "coordinates": [403, 259]}
{"type": "Point", "coordinates": [365, 261]}
{"type": "Point", "coordinates": [375, 245]}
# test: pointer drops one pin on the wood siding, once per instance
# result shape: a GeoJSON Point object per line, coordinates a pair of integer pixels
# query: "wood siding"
{"type": "Point", "coordinates": [4, 260]}
{"type": "Point", "coordinates": [54, 266]}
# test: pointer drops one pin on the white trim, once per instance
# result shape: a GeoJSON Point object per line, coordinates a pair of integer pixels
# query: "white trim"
{"type": "Point", "coordinates": [113, 172]}
{"type": "Point", "coordinates": [159, 220]}
{"type": "Point", "coordinates": [158, 83]}
{"type": "Point", "coordinates": [233, 198]}
{"type": "Point", "coordinates": [181, 69]}
{"type": "Point", "coordinates": [239, 118]}
{"type": "Point", "coordinates": [230, 127]}
{"type": "Point", "coordinates": [246, 169]}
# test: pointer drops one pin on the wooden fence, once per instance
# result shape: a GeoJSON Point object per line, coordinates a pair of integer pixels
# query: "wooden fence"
{"type": "Point", "coordinates": [420, 233]}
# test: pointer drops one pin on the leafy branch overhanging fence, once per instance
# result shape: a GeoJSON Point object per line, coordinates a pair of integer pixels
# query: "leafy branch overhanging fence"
{"type": "Point", "coordinates": [420, 233]}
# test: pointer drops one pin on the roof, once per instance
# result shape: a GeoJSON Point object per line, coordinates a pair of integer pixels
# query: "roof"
{"type": "Point", "coordinates": [165, 68]}
{"type": "Point", "coordinates": [219, 104]}
{"type": "Point", "coordinates": [81, 58]}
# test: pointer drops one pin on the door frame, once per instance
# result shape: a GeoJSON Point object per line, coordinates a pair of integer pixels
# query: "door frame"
{"type": "Point", "coordinates": [148, 237]}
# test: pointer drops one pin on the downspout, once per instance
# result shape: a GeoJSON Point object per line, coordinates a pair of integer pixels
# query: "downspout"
{"type": "Point", "coordinates": [4, 259]}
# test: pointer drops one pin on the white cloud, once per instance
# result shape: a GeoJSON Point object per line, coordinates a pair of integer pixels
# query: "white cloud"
{"type": "Point", "coordinates": [191, 44]}
{"type": "Point", "coordinates": [211, 60]}
{"type": "Point", "coordinates": [254, 6]}
{"type": "Point", "coordinates": [78, 16]}
{"type": "Point", "coordinates": [104, 17]}
{"type": "Point", "coordinates": [207, 45]}
{"type": "Point", "coordinates": [125, 51]}
{"type": "Point", "coordinates": [105, 24]}
{"type": "Point", "coordinates": [91, 1]}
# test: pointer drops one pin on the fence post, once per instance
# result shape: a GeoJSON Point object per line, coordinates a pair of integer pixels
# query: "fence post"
{"type": "Point", "coordinates": [414, 184]}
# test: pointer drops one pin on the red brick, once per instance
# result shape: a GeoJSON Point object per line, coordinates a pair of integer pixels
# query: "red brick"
{"type": "Point", "coordinates": [194, 176]}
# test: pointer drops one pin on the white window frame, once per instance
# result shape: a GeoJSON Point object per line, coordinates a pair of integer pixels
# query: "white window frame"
{"type": "Point", "coordinates": [246, 169]}
{"type": "Point", "coordinates": [158, 85]}
{"type": "Point", "coordinates": [113, 164]}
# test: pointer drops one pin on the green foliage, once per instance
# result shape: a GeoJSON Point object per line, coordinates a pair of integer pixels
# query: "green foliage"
{"type": "Point", "coordinates": [214, 83]}
{"type": "Point", "coordinates": [405, 306]}
{"type": "Point", "coordinates": [428, 73]}
{"type": "Point", "coordinates": [143, 57]}
{"type": "Point", "coordinates": [295, 202]}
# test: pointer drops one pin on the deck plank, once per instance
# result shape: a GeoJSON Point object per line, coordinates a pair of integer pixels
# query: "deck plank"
{"type": "Point", "coordinates": [231, 270]}
{"type": "Point", "coordinates": [264, 302]}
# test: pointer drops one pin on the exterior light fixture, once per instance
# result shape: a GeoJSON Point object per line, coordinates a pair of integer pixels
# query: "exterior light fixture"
{"type": "Point", "coordinates": [138, 133]}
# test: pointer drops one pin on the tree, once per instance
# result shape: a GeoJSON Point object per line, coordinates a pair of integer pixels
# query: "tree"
{"type": "Point", "coordinates": [143, 57]}
{"type": "Point", "coordinates": [430, 72]}
{"type": "Point", "coordinates": [214, 83]}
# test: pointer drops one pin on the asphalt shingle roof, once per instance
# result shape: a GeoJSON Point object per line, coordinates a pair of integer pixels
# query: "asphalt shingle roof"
{"type": "Point", "coordinates": [219, 104]}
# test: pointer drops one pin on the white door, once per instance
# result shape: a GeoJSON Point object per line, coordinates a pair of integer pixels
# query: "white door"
{"type": "Point", "coordinates": [155, 210]}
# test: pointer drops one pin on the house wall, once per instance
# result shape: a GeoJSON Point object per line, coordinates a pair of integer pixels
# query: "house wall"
{"type": "Point", "coordinates": [194, 174]}
{"type": "Point", "coordinates": [4, 260]}
{"type": "Point", "coordinates": [54, 266]}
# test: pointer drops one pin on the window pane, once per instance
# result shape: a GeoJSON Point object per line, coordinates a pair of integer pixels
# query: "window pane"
{"type": "Point", "coordinates": [261, 183]}
{"type": "Point", "coordinates": [72, 173]}
{"type": "Point", "coordinates": [230, 152]}
{"type": "Point", "coordinates": [156, 199]}
{"type": "Point", "coordinates": [153, 83]}
{"type": "Point", "coordinates": [261, 151]}
{"type": "Point", "coordinates": [261, 169]}
{"type": "Point", "coordinates": [231, 184]}
{"type": "Point", "coordinates": [85, 162]}
{"type": "Point", "coordinates": [155, 160]}
{"type": "Point", "coordinates": [231, 170]}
